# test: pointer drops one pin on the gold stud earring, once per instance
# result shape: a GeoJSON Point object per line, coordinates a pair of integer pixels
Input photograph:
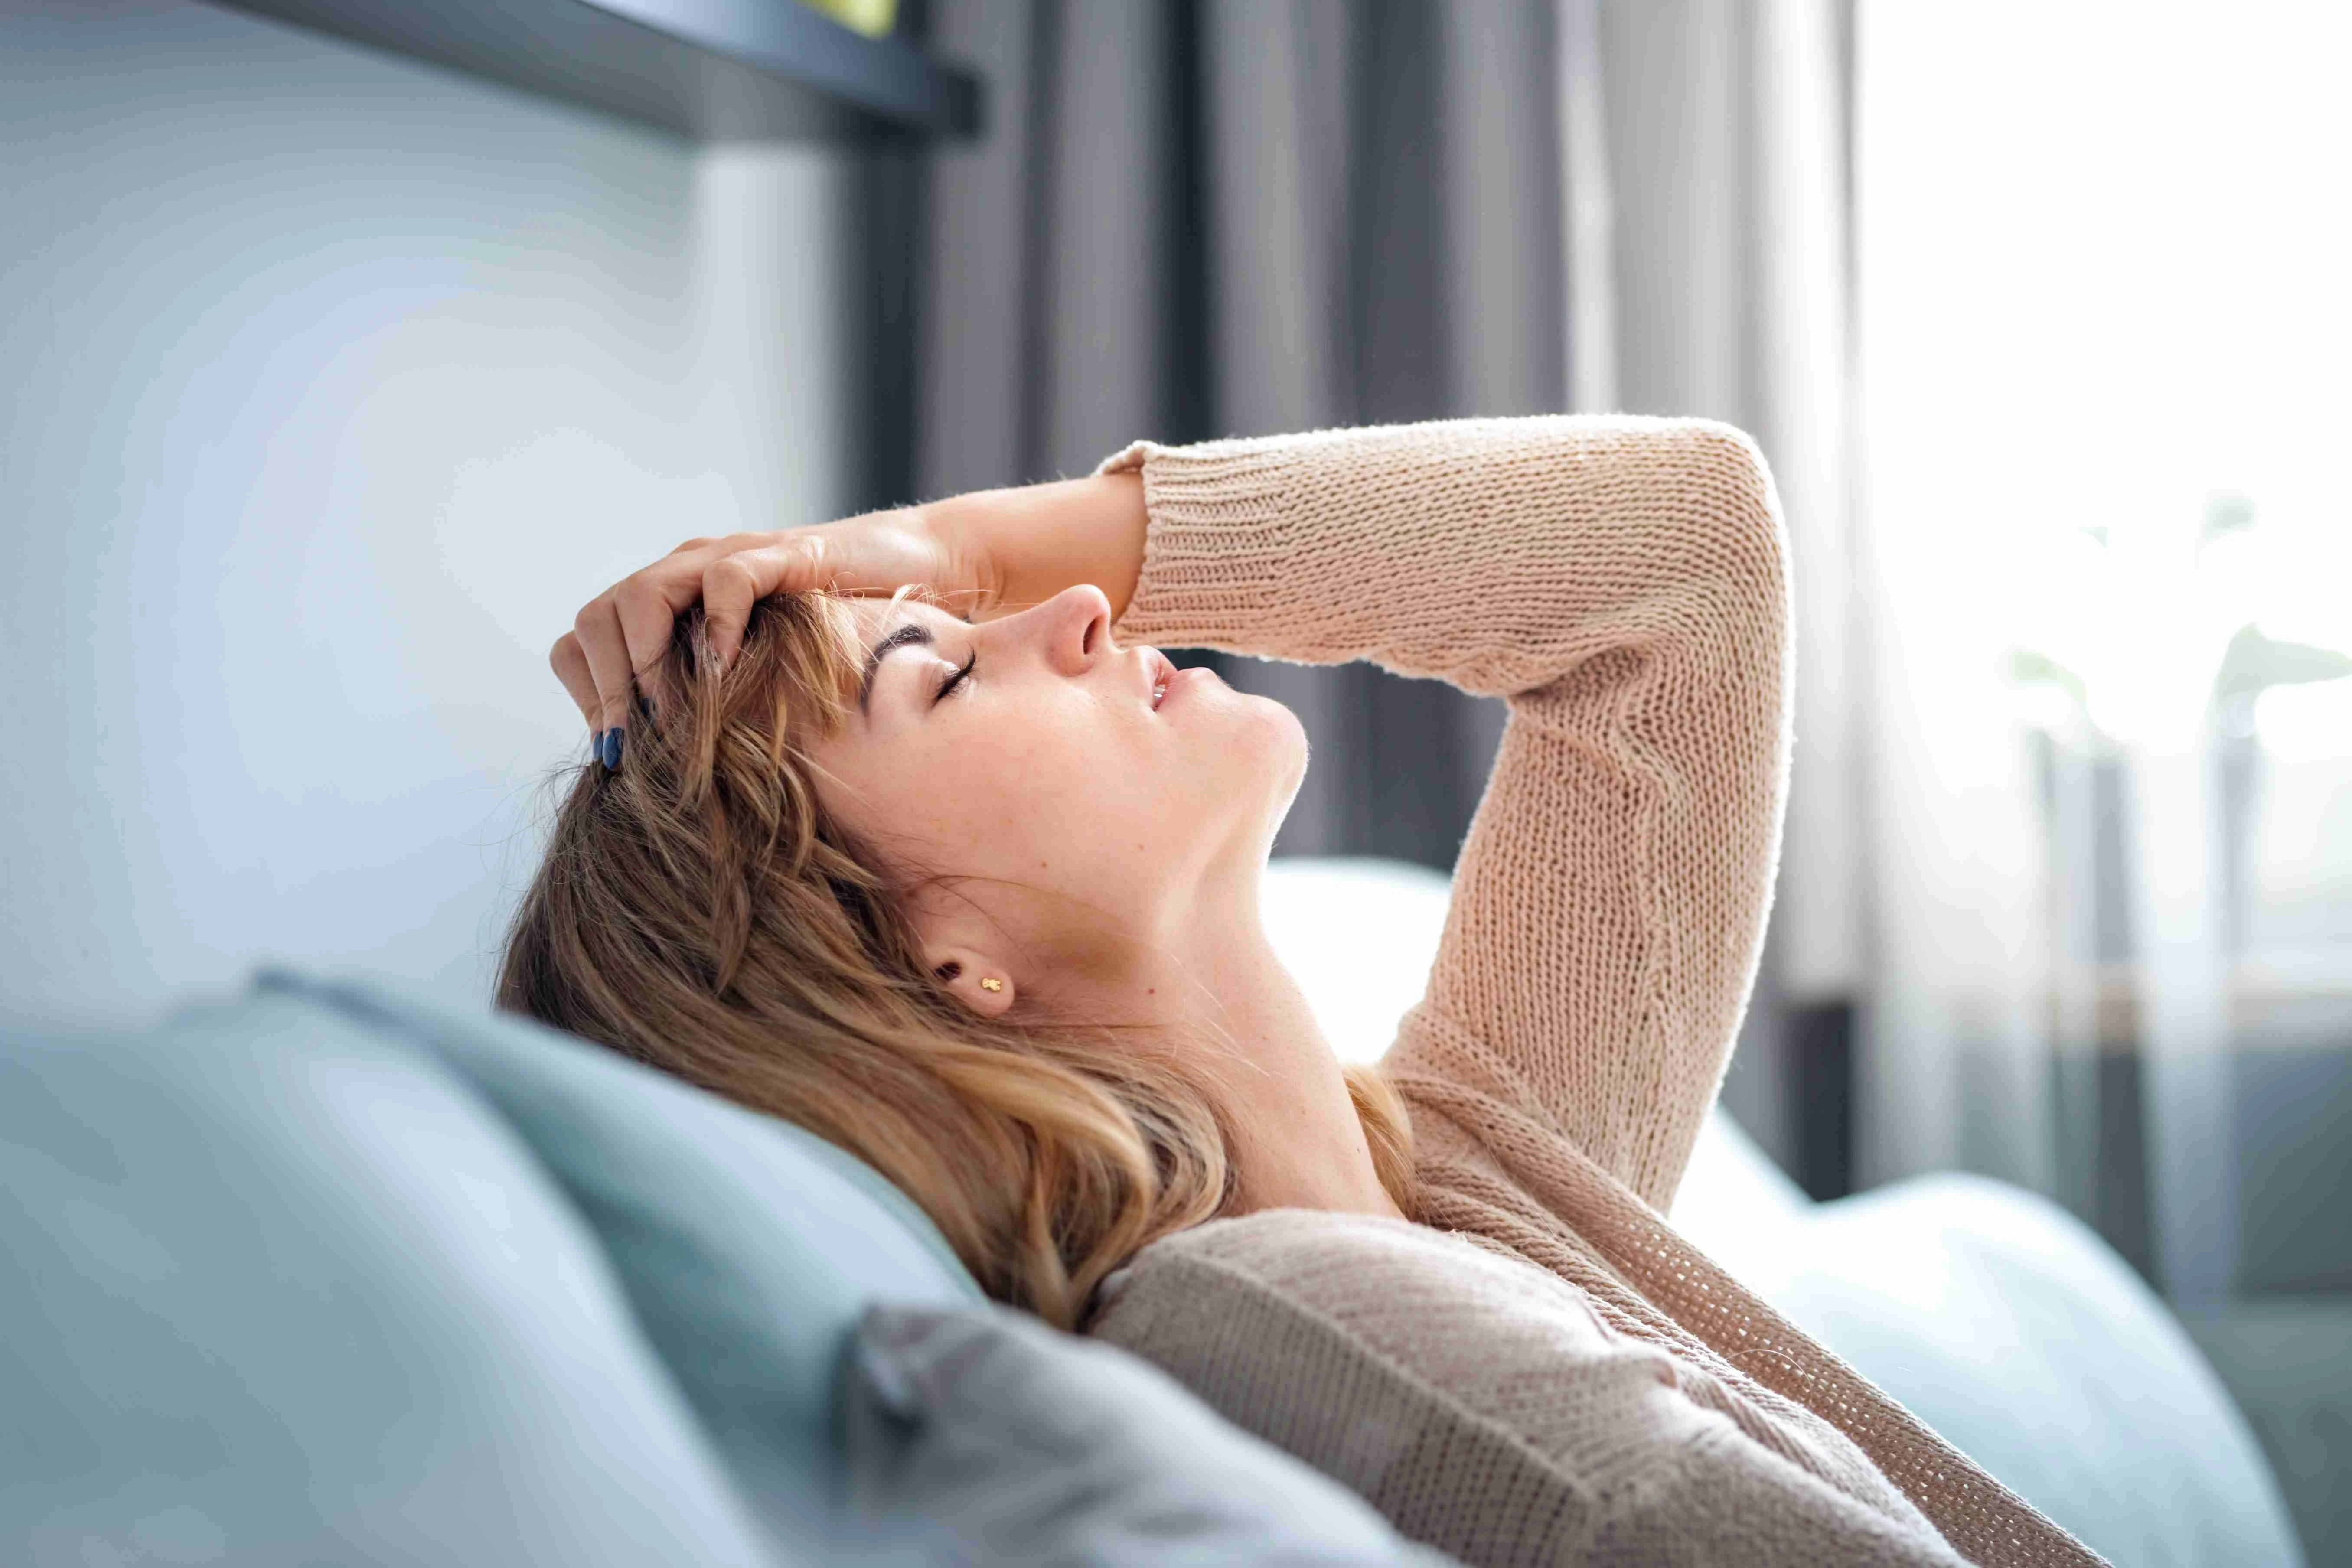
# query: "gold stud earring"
{"type": "Point", "coordinates": [992, 984]}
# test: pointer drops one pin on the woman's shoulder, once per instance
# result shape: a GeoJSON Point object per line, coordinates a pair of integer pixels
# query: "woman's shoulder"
{"type": "Point", "coordinates": [1392, 1287]}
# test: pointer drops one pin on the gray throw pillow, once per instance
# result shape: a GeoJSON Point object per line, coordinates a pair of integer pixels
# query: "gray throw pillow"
{"type": "Point", "coordinates": [980, 1435]}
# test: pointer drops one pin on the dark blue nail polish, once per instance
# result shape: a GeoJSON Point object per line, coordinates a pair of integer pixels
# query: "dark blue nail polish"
{"type": "Point", "coordinates": [612, 749]}
{"type": "Point", "coordinates": [596, 747]}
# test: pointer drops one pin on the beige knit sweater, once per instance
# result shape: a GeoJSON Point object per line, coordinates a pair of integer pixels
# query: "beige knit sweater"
{"type": "Point", "coordinates": [1622, 581]}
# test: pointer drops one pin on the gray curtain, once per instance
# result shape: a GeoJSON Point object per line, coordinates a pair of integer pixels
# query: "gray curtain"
{"type": "Point", "coordinates": [1231, 218]}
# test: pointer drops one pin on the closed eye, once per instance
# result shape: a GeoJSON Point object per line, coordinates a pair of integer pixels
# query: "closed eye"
{"type": "Point", "coordinates": [952, 681]}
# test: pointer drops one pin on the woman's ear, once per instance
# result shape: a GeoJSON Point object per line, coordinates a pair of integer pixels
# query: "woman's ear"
{"type": "Point", "coordinates": [973, 979]}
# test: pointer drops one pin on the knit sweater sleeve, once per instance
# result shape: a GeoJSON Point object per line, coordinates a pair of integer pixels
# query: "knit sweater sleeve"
{"type": "Point", "coordinates": [1621, 581]}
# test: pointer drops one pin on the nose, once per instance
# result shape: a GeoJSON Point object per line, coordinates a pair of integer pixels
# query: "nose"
{"type": "Point", "coordinates": [1074, 626]}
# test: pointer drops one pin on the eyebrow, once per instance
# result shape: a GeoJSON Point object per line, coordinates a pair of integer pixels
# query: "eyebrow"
{"type": "Point", "coordinates": [912, 633]}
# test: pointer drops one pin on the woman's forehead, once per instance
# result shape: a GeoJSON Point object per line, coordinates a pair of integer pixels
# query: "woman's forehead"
{"type": "Point", "coordinates": [873, 616]}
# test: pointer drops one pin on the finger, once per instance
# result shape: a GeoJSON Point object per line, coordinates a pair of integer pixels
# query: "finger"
{"type": "Point", "coordinates": [648, 604]}
{"type": "Point", "coordinates": [571, 666]}
{"type": "Point", "coordinates": [733, 584]}
{"type": "Point", "coordinates": [651, 600]}
{"type": "Point", "coordinates": [607, 651]}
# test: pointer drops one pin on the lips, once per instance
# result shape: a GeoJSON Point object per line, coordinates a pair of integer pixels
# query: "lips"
{"type": "Point", "coordinates": [1160, 671]}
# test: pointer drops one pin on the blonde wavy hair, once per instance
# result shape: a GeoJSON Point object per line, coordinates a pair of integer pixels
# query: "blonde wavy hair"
{"type": "Point", "coordinates": [700, 911]}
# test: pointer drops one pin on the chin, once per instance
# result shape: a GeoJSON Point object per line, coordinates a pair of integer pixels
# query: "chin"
{"type": "Point", "coordinates": [1258, 778]}
{"type": "Point", "coordinates": [1256, 755]}
{"type": "Point", "coordinates": [1277, 755]}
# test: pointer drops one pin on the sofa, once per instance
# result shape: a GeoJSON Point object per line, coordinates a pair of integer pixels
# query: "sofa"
{"type": "Point", "coordinates": [327, 1272]}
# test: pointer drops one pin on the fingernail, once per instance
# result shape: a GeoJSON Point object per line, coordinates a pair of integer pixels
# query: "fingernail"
{"type": "Point", "coordinates": [612, 749]}
{"type": "Point", "coordinates": [596, 747]}
{"type": "Point", "coordinates": [644, 705]}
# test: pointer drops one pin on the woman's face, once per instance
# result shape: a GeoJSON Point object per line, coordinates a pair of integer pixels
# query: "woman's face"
{"type": "Point", "coordinates": [1057, 799]}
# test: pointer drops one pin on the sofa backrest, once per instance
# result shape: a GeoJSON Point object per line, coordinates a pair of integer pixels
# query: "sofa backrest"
{"type": "Point", "coordinates": [331, 1272]}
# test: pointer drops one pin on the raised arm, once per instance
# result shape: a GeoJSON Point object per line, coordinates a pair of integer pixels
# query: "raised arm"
{"type": "Point", "coordinates": [1621, 581]}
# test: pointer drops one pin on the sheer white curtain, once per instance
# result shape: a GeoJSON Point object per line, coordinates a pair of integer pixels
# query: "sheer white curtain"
{"type": "Point", "coordinates": [2102, 332]}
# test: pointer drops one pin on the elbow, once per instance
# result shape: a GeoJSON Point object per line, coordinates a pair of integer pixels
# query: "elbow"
{"type": "Point", "coordinates": [1748, 503]}
{"type": "Point", "coordinates": [1747, 541]}
{"type": "Point", "coordinates": [1740, 563]}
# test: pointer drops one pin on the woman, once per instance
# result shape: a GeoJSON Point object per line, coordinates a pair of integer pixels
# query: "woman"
{"type": "Point", "coordinates": [897, 828]}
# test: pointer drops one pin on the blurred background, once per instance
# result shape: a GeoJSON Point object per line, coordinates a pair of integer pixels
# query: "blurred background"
{"type": "Point", "coordinates": [345, 354]}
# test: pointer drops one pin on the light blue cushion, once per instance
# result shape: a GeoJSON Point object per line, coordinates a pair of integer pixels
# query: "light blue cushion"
{"type": "Point", "coordinates": [746, 1247]}
{"type": "Point", "coordinates": [272, 1292]}
{"type": "Point", "coordinates": [336, 1272]}
{"type": "Point", "coordinates": [2012, 1329]}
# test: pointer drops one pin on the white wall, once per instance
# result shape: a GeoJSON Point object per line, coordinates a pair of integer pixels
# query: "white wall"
{"type": "Point", "coordinates": [330, 385]}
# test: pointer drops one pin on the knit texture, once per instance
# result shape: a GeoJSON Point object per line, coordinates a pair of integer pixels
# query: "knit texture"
{"type": "Point", "coordinates": [1622, 581]}
{"type": "Point", "coordinates": [1487, 1408]}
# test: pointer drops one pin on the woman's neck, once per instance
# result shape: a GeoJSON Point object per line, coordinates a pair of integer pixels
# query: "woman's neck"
{"type": "Point", "coordinates": [1230, 1002]}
